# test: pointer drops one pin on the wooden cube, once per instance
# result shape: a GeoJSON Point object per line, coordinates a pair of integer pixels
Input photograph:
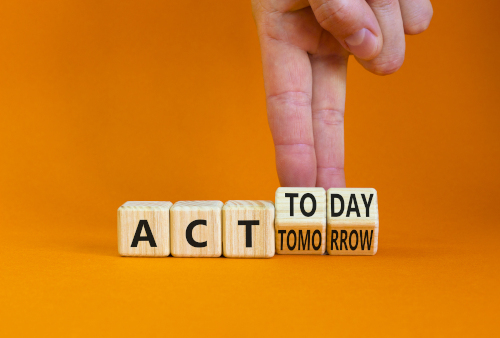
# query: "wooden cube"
{"type": "Point", "coordinates": [300, 222]}
{"type": "Point", "coordinates": [248, 229]}
{"type": "Point", "coordinates": [352, 221]}
{"type": "Point", "coordinates": [144, 229]}
{"type": "Point", "coordinates": [196, 229]}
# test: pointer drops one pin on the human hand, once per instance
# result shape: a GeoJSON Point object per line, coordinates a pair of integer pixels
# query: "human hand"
{"type": "Point", "coordinates": [305, 47]}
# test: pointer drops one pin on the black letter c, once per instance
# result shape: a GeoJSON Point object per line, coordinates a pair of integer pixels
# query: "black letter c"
{"type": "Point", "coordinates": [189, 233]}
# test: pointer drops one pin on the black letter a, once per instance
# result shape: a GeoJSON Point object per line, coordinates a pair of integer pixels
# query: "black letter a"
{"type": "Point", "coordinates": [149, 235]}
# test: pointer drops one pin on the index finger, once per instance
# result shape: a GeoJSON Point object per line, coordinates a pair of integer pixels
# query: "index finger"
{"type": "Point", "coordinates": [288, 86]}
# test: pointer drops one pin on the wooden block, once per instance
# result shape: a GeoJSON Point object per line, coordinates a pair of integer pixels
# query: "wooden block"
{"type": "Point", "coordinates": [352, 221]}
{"type": "Point", "coordinates": [300, 222]}
{"type": "Point", "coordinates": [144, 229]}
{"type": "Point", "coordinates": [196, 229]}
{"type": "Point", "coordinates": [248, 229]}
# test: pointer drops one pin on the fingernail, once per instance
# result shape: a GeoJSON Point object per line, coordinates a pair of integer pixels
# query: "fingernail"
{"type": "Point", "coordinates": [362, 44]}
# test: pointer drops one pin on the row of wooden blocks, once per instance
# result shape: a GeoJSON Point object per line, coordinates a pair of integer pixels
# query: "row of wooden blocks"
{"type": "Point", "coordinates": [342, 221]}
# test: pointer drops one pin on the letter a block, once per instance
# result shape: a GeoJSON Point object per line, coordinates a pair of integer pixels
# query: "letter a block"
{"type": "Point", "coordinates": [300, 221]}
{"type": "Point", "coordinates": [248, 229]}
{"type": "Point", "coordinates": [352, 221]}
{"type": "Point", "coordinates": [196, 229]}
{"type": "Point", "coordinates": [143, 229]}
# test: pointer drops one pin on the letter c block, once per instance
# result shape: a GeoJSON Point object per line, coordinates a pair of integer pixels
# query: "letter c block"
{"type": "Point", "coordinates": [196, 229]}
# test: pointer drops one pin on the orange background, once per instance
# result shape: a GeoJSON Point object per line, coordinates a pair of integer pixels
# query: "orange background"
{"type": "Point", "coordinates": [108, 101]}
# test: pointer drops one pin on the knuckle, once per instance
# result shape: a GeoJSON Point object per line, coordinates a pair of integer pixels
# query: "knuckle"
{"type": "Point", "coordinates": [332, 170]}
{"type": "Point", "coordinates": [295, 146]}
{"type": "Point", "coordinates": [330, 12]}
{"type": "Point", "coordinates": [329, 117]}
{"type": "Point", "coordinates": [381, 3]}
{"type": "Point", "coordinates": [292, 98]}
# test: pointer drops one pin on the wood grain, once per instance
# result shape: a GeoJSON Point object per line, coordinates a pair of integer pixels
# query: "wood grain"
{"type": "Point", "coordinates": [294, 231]}
{"type": "Point", "coordinates": [262, 235]}
{"type": "Point", "coordinates": [157, 215]}
{"type": "Point", "coordinates": [354, 231]}
{"type": "Point", "coordinates": [182, 214]}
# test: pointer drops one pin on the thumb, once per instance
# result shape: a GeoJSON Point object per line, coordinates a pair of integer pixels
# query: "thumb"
{"type": "Point", "coordinates": [352, 23]}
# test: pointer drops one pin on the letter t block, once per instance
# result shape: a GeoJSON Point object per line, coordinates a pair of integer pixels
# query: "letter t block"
{"type": "Point", "coordinates": [248, 229]}
{"type": "Point", "coordinates": [300, 221]}
{"type": "Point", "coordinates": [144, 229]}
{"type": "Point", "coordinates": [196, 229]}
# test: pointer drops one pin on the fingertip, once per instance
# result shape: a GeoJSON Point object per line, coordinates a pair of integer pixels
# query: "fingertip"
{"type": "Point", "coordinates": [415, 27]}
{"type": "Point", "coordinates": [363, 44]}
{"type": "Point", "coordinates": [416, 16]}
{"type": "Point", "coordinates": [388, 65]}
